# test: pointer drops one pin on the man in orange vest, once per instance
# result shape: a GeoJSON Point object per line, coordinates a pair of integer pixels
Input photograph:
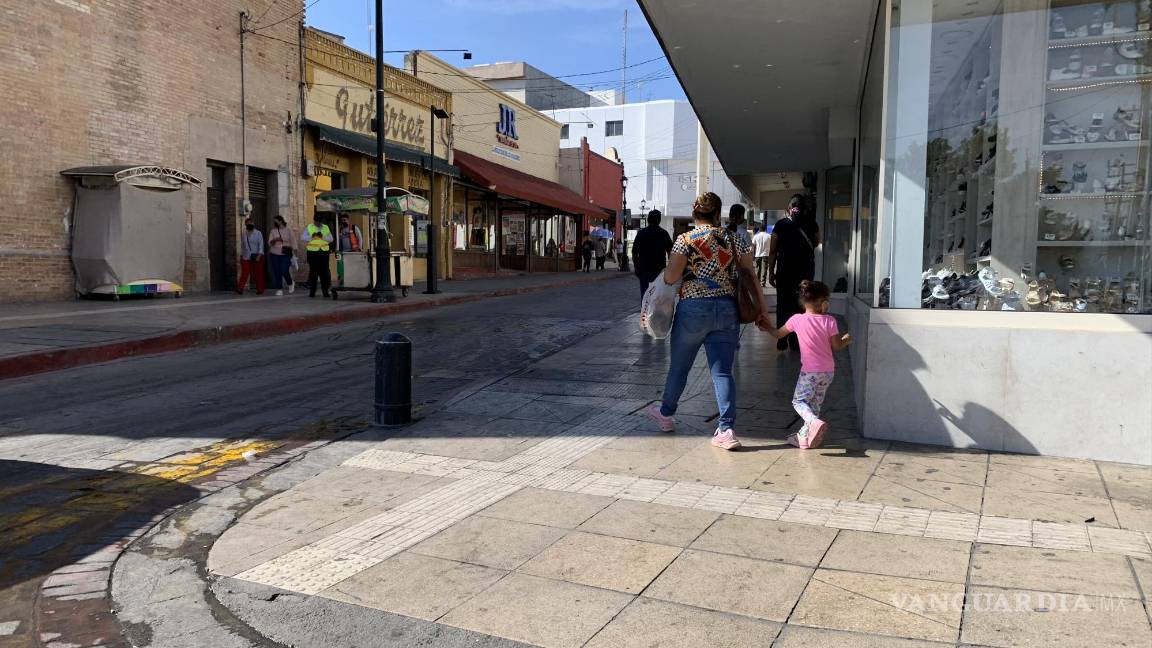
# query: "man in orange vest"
{"type": "Point", "coordinates": [350, 237]}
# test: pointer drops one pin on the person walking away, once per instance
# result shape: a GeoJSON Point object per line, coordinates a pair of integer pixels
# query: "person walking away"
{"type": "Point", "coordinates": [351, 240]}
{"type": "Point", "coordinates": [586, 254]}
{"type": "Point", "coordinates": [738, 225]}
{"type": "Point", "coordinates": [650, 250]}
{"type": "Point", "coordinates": [601, 252]}
{"type": "Point", "coordinates": [251, 258]}
{"type": "Point", "coordinates": [761, 242]}
{"type": "Point", "coordinates": [280, 252]}
{"type": "Point", "coordinates": [705, 259]}
{"type": "Point", "coordinates": [791, 259]}
{"type": "Point", "coordinates": [819, 336]}
{"type": "Point", "coordinates": [318, 239]}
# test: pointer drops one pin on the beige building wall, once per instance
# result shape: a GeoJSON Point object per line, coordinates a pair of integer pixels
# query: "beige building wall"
{"type": "Point", "coordinates": [476, 113]}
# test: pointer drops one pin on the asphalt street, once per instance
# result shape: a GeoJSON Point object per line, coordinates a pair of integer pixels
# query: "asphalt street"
{"type": "Point", "coordinates": [91, 450]}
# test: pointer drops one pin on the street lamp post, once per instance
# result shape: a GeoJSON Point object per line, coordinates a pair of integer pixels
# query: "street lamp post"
{"type": "Point", "coordinates": [433, 233]}
{"type": "Point", "coordinates": [382, 289]}
{"type": "Point", "coordinates": [624, 224]}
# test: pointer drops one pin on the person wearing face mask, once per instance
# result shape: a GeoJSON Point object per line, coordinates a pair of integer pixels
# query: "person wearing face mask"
{"type": "Point", "coordinates": [792, 259]}
{"type": "Point", "coordinates": [251, 257]}
{"type": "Point", "coordinates": [280, 252]}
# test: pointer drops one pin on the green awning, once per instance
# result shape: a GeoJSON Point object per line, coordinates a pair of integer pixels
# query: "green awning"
{"type": "Point", "coordinates": [367, 146]}
{"type": "Point", "coordinates": [364, 199]}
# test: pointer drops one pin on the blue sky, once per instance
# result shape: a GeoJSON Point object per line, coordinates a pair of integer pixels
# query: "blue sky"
{"type": "Point", "coordinates": [561, 37]}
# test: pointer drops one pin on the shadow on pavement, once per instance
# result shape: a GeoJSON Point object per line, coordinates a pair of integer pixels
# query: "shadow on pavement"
{"type": "Point", "coordinates": [52, 516]}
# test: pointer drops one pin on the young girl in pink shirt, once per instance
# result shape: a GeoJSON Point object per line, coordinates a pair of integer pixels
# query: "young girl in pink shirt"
{"type": "Point", "coordinates": [819, 336]}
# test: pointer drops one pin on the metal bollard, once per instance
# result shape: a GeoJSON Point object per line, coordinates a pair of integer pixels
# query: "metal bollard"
{"type": "Point", "coordinates": [393, 381]}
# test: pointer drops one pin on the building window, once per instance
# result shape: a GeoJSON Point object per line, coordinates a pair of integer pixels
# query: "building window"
{"type": "Point", "coordinates": [1044, 207]}
{"type": "Point", "coordinates": [613, 128]}
{"type": "Point", "coordinates": [564, 132]}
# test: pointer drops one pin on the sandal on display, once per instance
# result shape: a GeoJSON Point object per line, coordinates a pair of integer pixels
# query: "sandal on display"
{"type": "Point", "coordinates": [1032, 298]}
{"type": "Point", "coordinates": [1067, 262]}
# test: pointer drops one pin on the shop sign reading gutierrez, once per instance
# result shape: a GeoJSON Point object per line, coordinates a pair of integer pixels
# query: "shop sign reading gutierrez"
{"type": "Point", "coordinates": [398, 125]}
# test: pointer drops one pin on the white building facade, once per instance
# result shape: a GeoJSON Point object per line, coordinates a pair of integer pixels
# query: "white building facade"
{"type": "Point", "coordinates": [656, 141]}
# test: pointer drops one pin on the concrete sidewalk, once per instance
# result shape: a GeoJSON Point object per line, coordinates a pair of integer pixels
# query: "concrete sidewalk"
{"type": "Point", "coordinates": [545, 509]}
{"type": "Point", "coordinates": [46, 337]}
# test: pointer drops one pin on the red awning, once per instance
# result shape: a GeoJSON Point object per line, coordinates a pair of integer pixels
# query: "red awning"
{"type": "Point", "coordinates": [520, 185]}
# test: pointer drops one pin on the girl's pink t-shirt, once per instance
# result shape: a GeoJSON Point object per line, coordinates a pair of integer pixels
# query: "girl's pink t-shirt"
{"type": "Point", "coordinates": [814, 331]}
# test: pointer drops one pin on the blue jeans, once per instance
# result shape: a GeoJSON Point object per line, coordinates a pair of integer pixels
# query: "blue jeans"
{"type": "Point", "coordinates": [281, 270]}
{"type": "Point", "coordinates": [712, 322]}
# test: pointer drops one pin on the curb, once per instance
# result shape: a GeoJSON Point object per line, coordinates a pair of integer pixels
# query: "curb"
{"type": "Point", "coordinates": [34, 363]}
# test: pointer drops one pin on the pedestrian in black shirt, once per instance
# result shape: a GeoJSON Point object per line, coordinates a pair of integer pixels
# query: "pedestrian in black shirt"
{"type": "Point", "coordinates": [650, 251]}
{"type": "Point", "coordinates": [792, 259]}
{"type": "Point", "coordinates": [586, 254]}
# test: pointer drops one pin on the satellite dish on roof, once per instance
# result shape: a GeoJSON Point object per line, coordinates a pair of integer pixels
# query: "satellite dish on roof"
{"type": "Point", "coordinates": [612, 154]}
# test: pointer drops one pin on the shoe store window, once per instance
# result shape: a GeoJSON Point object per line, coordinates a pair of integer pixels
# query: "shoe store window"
{"type": "Point", "coordinates": [1017, 154]}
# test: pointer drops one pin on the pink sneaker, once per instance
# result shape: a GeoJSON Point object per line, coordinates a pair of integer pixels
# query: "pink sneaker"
{"type": "Point", "coordinates": [726, 439]}
{"type": "Point", "coordinates": [798, 441]}
{"type": "Point", "coordinates": [816, 431]}
{"type": "Point", "coordinates": [666, 423]}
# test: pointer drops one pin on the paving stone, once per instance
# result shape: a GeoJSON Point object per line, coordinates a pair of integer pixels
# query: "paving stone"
{"type": "Point", "coordinates": [805, 509]}
{"type": "Point", "coordinates": [1032, 619]}
{"type": "Point", "coordinates": [901, 520]}
{"type": "Point", "coordinates": [716, 467]}
{"type": "Point", "coordinates": [793, 636]}
{"type": "Point", "coordinates": [858, 516]}
{"type": "Point", "coordinates": [1142, 568]}
{"type": "Point", "coordinates": [912, 466]}
{"type": "Point", "coordinates": [767, 506]}
{"type": "Point", "coordinates": [560, 615]}
{"type": "Point", "coordinates": [645, 490]}
{"type": "Point", "coordinates": [885, 605]}
{"type": "Point", "coordinates": [952, 526]}
{"type": "Point", "coordinates": [1047, 535]}
{"type": "Point", "coordinates": [627, 462]}
{"type": "Point", "coordinates": [923, 493]}
{"type": "Point", "coordinates": [724, 583]}
{"type": "Point", "coordinates": [685, 494]}
{"type": "Point", "coordinates": [842, 479]}
{"type": "Point", "coordinates": [1053, 570]}
{"type": "Point", "coordinates": [602, 561]}
{"type": "Point", "coordinates": [1048, 507]}
{"type": "Point", "coordinates": [646, 623]}
{"type": "Point", "coordinates": [799, 544]}
{"type": "Point", "coordinates": [1045, 480]}
{"type": "Point", "coordinates": [547, 507]}
{"type": "Point", "coordinates": [909, 557]}
{"type": "Point", "coordinates": [308, 570]}
{"type": "Point", "coordinates": [292, 511]}
{"type": "Point", "coordinates": [722, 499]}
{"type": "Point", "coordinates": [1134, 514]}
{"type": "Point", "coordinates": [1005, 531]}
{"type": "Point", "coordinates": [500, 544]}
{"type": "Point", "coordinates": [417, 586]}
{"type": "Point", "coordinates": [650, 522]}
{"type": "Point", "coordinates": [1119, 541]}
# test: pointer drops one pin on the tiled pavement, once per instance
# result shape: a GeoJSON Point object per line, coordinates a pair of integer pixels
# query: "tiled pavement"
{"type": "Point", "coordinates": [544, 509]}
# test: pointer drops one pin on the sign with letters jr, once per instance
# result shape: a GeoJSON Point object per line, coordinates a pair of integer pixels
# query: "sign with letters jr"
{"type": "Point", "coordinates": [506, 127]}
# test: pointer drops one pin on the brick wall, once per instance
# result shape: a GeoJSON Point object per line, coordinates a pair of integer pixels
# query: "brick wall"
{"type": "Point", "coordinates": [91, 82]}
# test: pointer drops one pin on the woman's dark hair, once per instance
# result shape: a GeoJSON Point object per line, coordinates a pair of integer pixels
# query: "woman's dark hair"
{"type": "Point", "coordinates": [707, 208]}
{"type": "Point", "coordinates": [813, 292]}
{"type": "Point", "coordinates": [796, 201]}
{"type": "Point", "coordinates": [280, 219]}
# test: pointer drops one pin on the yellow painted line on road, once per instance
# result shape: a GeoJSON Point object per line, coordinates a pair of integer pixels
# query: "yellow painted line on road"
{"type": "Point", "coordinates": [192, 466]}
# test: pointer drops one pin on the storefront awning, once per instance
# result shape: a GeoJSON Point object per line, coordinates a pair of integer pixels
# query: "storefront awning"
{"type": "Point", "coordinates": [521, 185]}
{"type": "Point", "coordinates": [367, 146]}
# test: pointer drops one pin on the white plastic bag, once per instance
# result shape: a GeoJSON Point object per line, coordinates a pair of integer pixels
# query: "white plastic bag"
{"type": "Point", "coordinates": [295, 262]}
{"type": "Point", "coordinates": [658, 308]}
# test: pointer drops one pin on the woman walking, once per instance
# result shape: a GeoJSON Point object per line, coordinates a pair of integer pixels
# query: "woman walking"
{"type": "Point", "coordinates": [280, 253]}
{"type": "Point", "coordinates": [705, 259]}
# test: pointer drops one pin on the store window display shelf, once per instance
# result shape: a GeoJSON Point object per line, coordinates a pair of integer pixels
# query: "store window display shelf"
{"type": "Point", "coordinates": [1089, 196]}
{"type": "Point", "coordinates": [1086, 83]}
{"type": "Point", "coordinates": [1095, 146]}
{"type": "Point", "coordinates": [1089, 41]}
{"type": "Point", "coordinates": [1078, 244]}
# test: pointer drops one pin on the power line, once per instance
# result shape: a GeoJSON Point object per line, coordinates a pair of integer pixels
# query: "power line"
{"type": "Point", "coordinates": [284, 20]}
{"type": "Point", "coordinates": [265, 12]}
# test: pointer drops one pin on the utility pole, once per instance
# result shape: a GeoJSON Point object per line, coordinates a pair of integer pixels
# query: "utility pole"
{"type": "Point", "coordinates": [701, 159]}
{"type": "Point", "coordinates": [624, 64]}
{"type": "Point", "coordinates": [382, 290]}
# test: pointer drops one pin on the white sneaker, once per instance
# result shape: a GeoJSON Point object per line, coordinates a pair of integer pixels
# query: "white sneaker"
{"type": "Point", "coordinates": [292, 288]}
{"type": "Point", "coordinates": [279, 293]}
